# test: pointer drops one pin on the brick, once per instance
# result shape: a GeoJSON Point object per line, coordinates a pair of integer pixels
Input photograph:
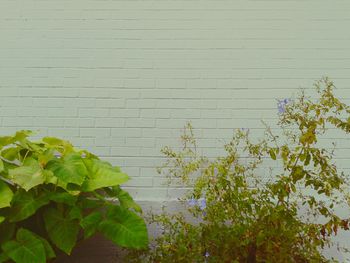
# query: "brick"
{"type": "Point", "coordinates": [155, 113]}
{"type": "Point", "coordinates": [109, 122]}
{"type": "Point", "coordinates": [79, 122]}
{"type": "Point", "coordinates": [124, 113]}
{"type": "Point", "coordinates": [139, 123]}
{"type": "Point", "coordinates": [90, 92]}
{"type": "Point", "coordinates": [50, 122]}
{"type": "Point", "coordinates": [101, 151]}
{"type": "Point", "coordinates": [143, 193]}
{"type": "Point", "coordinates": [63, 132]}
{"type": "Point", "coordinates": [110, 103]}
{"type": "Point", "coordinates": [141, 103]}
{"type": "Point", "coordinates": [186, 113]}
{"type": "Point", "coordinates": [126, 132]}
{"type": "Point", "coordinates": [143, 142]}
{"type": "Point", "coordinates": [109, 141]}
{"type": "Point", "coordinates": [216, 114]}
{"type": "Point", "coordinates": [83, 142]}
{"type": "Point", "coordinates": [157, 132]}
{"type": "Point", "coordinates": [17, 121]}
{"type": "Point", "coordinates": [125, 151]}
{"type": "Point", "coordinates": [95, 132]}
{"type": "Point", "coordinates": [150, 151]}
{"type": "Point", "coordinates": [93, 112]}
{"type": "Point", "coordinates": [131, 171]}
{"type": "Point", "coordinates": [140, 182]}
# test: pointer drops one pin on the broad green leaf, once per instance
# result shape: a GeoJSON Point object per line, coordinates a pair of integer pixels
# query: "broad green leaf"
{"type": "Point", "coordinates": [63, 197]}
{"type": "Point", "coordinates": [6, 195]}
{"type": "Point", "coordinates": [2, 219]}
{"type": "Point", "coordinates": [25, 204]}
{"type": "Point", "coordinates": [50, 253]}
{"type": "Point", "coordinates": [127, 201]}
{"type": "Point", "coordinates": [50, 178]}
{"type": "Point", "coordinates": [27, 248]}
{"type": "Point", "coordinates": [117, 169]}
{"type": "Point", "coordinates": [87, 154]}
{"type": "Point", "coordinates": [32, 146]}
{"type": "Point", "coordinates": [7, 167]}
{"type": "Point", "coordinates": [59, 144]}
{"type": "Point", "coordinates": [124, 198]}
{"type": "Point", "coordinates": [10, 153]}
{"type": "Point", "coordinates": [29, 175]}
{"type": "Point", "coordinates": [46, 156]}
{"type": "Point", "coordinates": [70, 169]}
{"type": "Point", "coordinates": [19, 136]}
{"type": "Point", "coordinates": [74, 213]}
{"type": "Point", "coordinates": [53, 141]}
{"type": "Point", "coordinates": [102, 174]}
{"type": "Point", "coordinates": [124, 228]}
{"type": "Point", "coordinates": [5, 140]}
{"type": "Point", "coordinates": [1, 166]}
{"type": "Point", "coordinates": [23, 134]}
{"type": "Point", "coordinates": [90, 223]}
{"type": "Point", "coordinates": [62, 231]}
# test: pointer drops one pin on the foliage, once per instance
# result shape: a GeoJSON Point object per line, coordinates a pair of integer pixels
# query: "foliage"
{"type": "Point", "coordinates": [51, 192]}
{"type": "Point", "coordinates": [234, 215]}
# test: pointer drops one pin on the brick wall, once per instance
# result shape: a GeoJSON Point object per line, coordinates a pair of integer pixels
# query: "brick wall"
{"type": "Point", "coordinates": [121, 78]}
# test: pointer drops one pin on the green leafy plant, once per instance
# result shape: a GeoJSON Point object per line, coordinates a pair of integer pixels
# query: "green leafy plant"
{"type": "Point", "coordinates": [52, 194]}
{"type": "Point", "coordinates": [233, 214]}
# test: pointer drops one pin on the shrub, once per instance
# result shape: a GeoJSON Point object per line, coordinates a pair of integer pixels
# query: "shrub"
{"type": "Point", "coordinates": [235, 215]}
{"type": "Point", "coordinates": [52, 193]}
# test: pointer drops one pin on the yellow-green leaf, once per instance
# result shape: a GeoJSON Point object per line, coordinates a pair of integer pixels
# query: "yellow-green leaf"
{"type": "Point", "coordinates": [102, 174]}
{"type": "Point", "coordinates": [70, 169]}
{"type": "Point", "coordinates": [6, 195]}
{"type": "Point", "coordinates": [125, 228]}
{"type": "Point", "coordinates": [29, 175]}
{"type": "Point", "coordinates": [62, 231]}
{"type": "Point", "coordinates": [27, 248]}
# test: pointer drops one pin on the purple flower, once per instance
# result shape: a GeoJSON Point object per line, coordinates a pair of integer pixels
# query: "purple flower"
{"type": "Point", "coordinates": [281, 105]}
{"type": "Point", "coordinates": [192, 202]}
{"type": "Point", "coordinates": [202, 204]}
{"type": "Point", "coordinates": [207, 254]}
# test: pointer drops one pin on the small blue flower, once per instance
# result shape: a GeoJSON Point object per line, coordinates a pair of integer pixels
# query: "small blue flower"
{"type": "Point", "coordinates": [207, 254]}
{"type": "Point", "coordinates": [192, 202]}
{"type": "Point", "coordinates": [202, 204]}
{"type": "Point", "coordinates": [281, 105]}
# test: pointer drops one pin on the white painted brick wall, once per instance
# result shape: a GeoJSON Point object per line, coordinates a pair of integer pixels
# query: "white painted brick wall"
{"type": "Point", "coordinates": [121, 78]}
